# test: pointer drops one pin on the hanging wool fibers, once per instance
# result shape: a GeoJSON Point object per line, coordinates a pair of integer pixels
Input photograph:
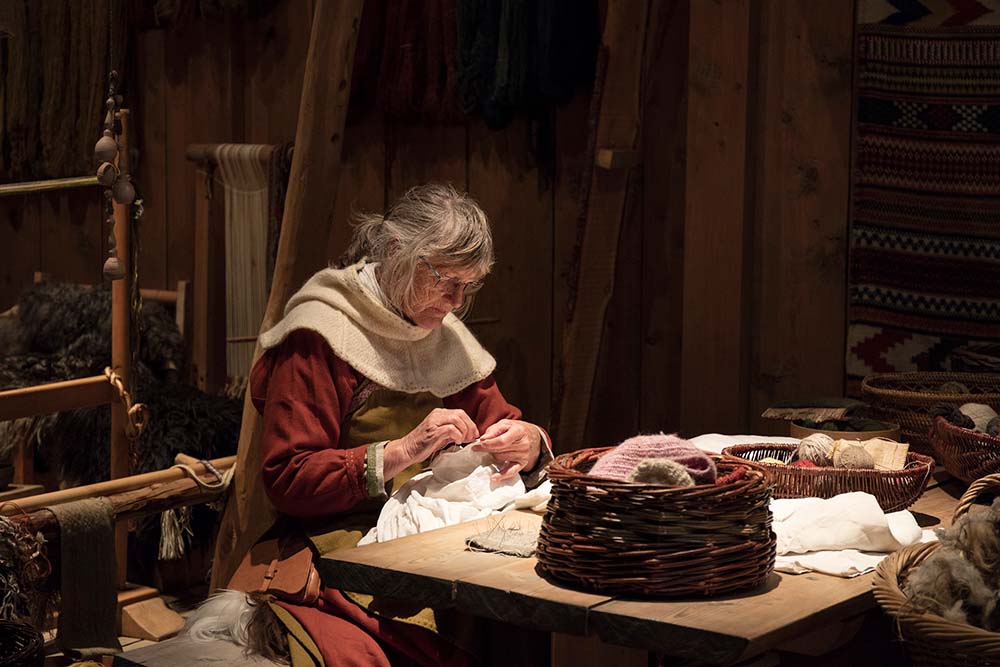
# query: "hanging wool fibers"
{"type": "Point", "coordinates": [243, 174]}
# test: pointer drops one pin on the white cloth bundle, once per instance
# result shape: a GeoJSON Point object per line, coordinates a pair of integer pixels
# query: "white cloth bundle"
{"type": "Point", "coordinates": [455, 489]}
{"type": "Point", "coordinates": [846, 535]}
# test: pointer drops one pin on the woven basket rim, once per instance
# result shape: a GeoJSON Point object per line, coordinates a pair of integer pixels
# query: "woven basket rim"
{"type": "Point", "coordinates": [873, 385]}
{"type": "Point", "coordinates": [912, 458]}
{"type": "Point", "coordinates": [559, 470]}
{"type": "Point", "coordinates": [942, 423]}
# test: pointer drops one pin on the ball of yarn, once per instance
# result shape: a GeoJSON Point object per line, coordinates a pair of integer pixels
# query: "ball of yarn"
{"type": "Point", "coordinates": [993, 428]}
{"type": "Point", "coordinates": [623, 459]}
{"type": "Point", "coordinates": [817, 449]}
{"type": "Point", "coordinates": [661, 471]}
{"type": "Point", "coordinates": [954, 416]}
{"type": "Point", "coordinates": [953, 387]}
{"type": "Point", "coordinates": [804, 463]}
{"type": "Point", "coordinates": [856, 458]}
{"type": "Point", "coordinates": [772, 460]}
{"type": "Point", "coordinates": [980, 414]}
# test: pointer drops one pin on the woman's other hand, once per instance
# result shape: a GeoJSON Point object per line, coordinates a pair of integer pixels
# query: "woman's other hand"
{"type": "Point", "coordinates": [439, 428]}
{"type": "Point", "coordinates": [514, 444]}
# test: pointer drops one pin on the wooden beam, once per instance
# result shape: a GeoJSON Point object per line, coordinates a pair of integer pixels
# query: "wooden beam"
{"type": "Point", "coordinates": [716, 267]}
{"type": "Point", "coordinates": [45, 399]}
{"type": "Point", "coordinates": [121, 342]}
{"type": "Point", "coordinates": [309, 207]}
{"type": "Point", "coordinates": [208, 354]}
{"type": "Point", "coordinates": [112, 487]}
{"type": "Point", "coordinates": [31, 187]}
{"type": "Point", "coordinates": [617, 131]}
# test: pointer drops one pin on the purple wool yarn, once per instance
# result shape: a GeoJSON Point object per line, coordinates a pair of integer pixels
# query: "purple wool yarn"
{"type": "Point", "coordinates": [623, 459]}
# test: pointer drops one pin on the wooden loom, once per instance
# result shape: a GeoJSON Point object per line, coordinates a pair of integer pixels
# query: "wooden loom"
{"type": "Point", "coordinates": [145, 613]}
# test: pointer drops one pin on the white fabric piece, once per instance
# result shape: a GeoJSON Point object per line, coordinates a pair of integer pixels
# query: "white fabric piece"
{"type": "Point", "coordinates": [377, 342]}
{"type": "Point", "coordinates": [716, 442]}
{"type": "Point", "coordinates": [457, 488]}
{"type": "Point", "coordinates": [846, 521]}
{"type": "Point", "coordinates": [845, 536]}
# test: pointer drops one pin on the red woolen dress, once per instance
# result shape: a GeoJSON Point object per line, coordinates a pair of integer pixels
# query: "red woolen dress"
{"type": "Point", "coordinates": [318, 415]}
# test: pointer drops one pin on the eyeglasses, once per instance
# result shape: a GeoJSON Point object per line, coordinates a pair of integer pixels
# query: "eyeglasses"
{"type": "Point", "coordinates": [450, 285]}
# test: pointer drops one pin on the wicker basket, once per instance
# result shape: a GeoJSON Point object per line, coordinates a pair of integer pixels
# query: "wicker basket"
{"type": "Point", "coordinates": [929, 638]}
{"type": "Point", "coordinates": [649, 540]}
{"type": "Point", "coordinates": [977, 358]}
{"type": "Point", "coordinates": [20, 645]}
{"type": "Point", "coordinates": [894, 489]}
{"type": "Point", "coordinates": [907, 398]}
{"type": "Point", "coordinates": [965, 453]}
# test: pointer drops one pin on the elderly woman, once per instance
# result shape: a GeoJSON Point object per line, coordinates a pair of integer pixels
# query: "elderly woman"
{"type": "Point", "coordinates": [368, 374]}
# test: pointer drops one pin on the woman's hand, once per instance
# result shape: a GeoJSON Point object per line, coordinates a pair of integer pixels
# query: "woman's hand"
{"type": "Point", "coordinates": [514, 444]}
{"type": "Point", "coordinates": [441, 427]}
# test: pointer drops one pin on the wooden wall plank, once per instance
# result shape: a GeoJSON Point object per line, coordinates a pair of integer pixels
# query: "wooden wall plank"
{"type": "Point", "coordinates": [72, 235]}
{"type": "Point", "coordinates": [362, 176]}
{"type": "Point", "coordinates": [151, 136]}
{"type": "Point", "coordinates": [513, 307]}
{"type": "Point", "coordinates": [178, 172]}
{"type": "Point", "coordinates": [274, 55]}
{"type": "Point", "coordinates": [571, 128]}
{"type": "Point", "coordinates": [663, 157]}
{"type": "Point", "coordinates": [20, 245]}
{"type": "Point", "coordinates": [802, 135]}
{"type": "Point", "coordinates": [616, 396]}
{"type": "Point", "coordinates": [715, 262]}
{"type": "Point", "coordinates": [417, 154]}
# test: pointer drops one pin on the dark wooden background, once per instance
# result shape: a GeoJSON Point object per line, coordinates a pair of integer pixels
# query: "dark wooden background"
{"type": "Point", "coordinates": [729, 292]}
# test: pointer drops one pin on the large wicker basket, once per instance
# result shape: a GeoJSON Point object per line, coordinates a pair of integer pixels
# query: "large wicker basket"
{"type": "Point", "coordinates": [965, 453]}
{"type": "Point", "coordinates": [894, 489]}
{"type": "Point", "coordinates": [20, 645]}
{"type": "Point", "coordinates": [929, 638]}
{"type": "Point", "coordinates": [907, 398]}
{"type": "Point", "coordinates": [649, 540]}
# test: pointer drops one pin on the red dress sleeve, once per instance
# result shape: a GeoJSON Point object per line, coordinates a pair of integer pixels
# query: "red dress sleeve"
{"type": "Point", "coordinates": [303, 391]}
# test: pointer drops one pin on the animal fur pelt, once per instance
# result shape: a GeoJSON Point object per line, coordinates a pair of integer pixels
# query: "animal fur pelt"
{"type": "Point", "coordinates": [66, 333]}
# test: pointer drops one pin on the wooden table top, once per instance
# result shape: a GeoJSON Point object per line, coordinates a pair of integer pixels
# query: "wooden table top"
{"type": "Point", "coordinates": [436, 569]}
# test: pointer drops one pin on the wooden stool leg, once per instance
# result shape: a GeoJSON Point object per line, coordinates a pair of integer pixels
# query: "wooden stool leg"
{"type": "Point", "coordinates": [24, 462]}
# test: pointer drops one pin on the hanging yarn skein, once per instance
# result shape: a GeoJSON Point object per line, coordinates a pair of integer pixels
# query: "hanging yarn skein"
{"type": "Point", "coordinates": [242, 172]}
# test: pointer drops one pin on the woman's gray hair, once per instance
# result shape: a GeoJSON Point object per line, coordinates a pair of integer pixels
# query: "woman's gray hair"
{"type": "Point", "coordinates": [432, 221]}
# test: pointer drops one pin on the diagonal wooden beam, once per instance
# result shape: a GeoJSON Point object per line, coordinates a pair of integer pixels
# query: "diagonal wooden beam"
{"type": "Point", "coordinates": [309, 207]}
{"type": "Point", "coordinates": [616, 147]}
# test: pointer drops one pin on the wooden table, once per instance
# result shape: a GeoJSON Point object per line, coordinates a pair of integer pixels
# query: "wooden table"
{"type": "Point", "coordinates": [435, 568]}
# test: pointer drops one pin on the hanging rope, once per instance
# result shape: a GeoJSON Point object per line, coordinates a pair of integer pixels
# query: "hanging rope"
{"type": "Point", "coordinates": [138, 415]}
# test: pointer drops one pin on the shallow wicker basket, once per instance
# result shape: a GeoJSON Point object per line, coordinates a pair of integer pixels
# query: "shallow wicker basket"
{"type": "Point", "coordinates": [20, 645]}
{"type": "Point", "coordinates": [929, 638]}
{"type": "Point", "coordinates": [976, 358]}
{"type": "Point", "coordinates": [965, 453]}
{"type": "Point", "coordinates": [907, 399]}
{"type": "Point", "coordinates": [648, 540]}
{"type": "Point", "coordinates": [894, 489]}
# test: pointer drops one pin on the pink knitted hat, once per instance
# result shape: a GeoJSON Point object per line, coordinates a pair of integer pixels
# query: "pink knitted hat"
{"type": "Point", "coordinates": [623, 459]}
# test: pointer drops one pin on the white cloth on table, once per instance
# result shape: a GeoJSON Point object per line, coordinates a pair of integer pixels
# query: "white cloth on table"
{"type": "Point", "coordinates": [846, 535]}
{"type": "Point", "coordinates": [716, 442]}
{"type": "Point", "coordinates": [455, 489]}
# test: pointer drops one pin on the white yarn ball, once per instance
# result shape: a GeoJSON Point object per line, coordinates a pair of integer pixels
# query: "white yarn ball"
{"type": "Point", "coordinates": [817, 448]}
{"type": "Point", "coordinates": [979, 413]}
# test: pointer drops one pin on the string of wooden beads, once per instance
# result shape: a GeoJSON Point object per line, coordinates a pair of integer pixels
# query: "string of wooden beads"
{"type": "Point", "coordinates": [117, 185]}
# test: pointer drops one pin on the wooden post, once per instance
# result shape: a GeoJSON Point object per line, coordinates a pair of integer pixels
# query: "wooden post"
{"type": "Point", "coordinates": [309, 207]}
{"type": "Point", "coordinates": [121, 343]}
{"type": "Point", "coordinates": [716, 252]}
{"type": "Point", "coordinates": [617, 142]}
{"type": "Point", "coordinates": [208, 358]}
